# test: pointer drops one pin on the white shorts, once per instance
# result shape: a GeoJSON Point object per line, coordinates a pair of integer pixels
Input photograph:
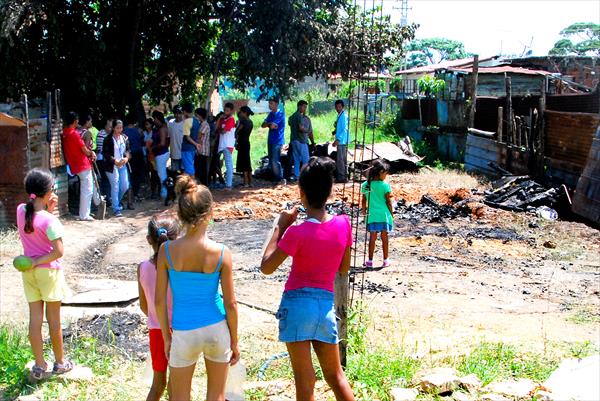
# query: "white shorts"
{"type": "Point", "coordinates": [213, 341]}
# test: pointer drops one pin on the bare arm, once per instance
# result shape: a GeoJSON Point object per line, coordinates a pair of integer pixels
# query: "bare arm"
{"type": "Point", "coordinates": [273, 256]}
{"type": "Point", "coordinates": [143, 300]}
{"type": "Point", "coordinates": [57, 253]}
{"type": "Point", "coordinates": [345, 266]}
{"type": "Point", "coordinates": [364, 204]}
{"type": "Point", "coordinates": [230, 304]}
{"type": "Point", "coordinates": [388, 202]}
{"type": "Point", "coordinates": [160, 301]}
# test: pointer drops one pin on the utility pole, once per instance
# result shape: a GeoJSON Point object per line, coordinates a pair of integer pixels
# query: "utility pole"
{"type": "Point", "coordinates": [403, 12]}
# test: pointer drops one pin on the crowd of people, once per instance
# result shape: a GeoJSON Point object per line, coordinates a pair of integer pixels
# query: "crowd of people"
{"type": "Point", "coordinates": [132, 160]}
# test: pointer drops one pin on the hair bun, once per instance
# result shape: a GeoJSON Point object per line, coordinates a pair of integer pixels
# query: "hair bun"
{"type": "Point", "coordinates": [185, 184]}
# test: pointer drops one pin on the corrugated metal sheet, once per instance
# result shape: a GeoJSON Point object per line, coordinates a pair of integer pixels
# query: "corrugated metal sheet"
{"type": "Point", "coordinates": [480, 152]}
{"type": "Point", "coordinates": [501, 70]}
{"type": "Point", "coordinates": [586, 201]}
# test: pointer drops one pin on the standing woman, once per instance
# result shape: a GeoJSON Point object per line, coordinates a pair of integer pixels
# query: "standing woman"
{"type": "Point", "coordinates": [242, 136]}
{"type": "Point", "coordinates": [204, 324]}
{"type": "Point", "coordinates": [160, 149]}
{"type": "Point", "coordinates": [115, 152]}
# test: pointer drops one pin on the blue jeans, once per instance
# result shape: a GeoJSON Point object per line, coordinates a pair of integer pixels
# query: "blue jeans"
{"type": "Point", "coordinates": [119, 184]}
{"type": "Point", "coordinates": [229, 167]}
{"type": "Point", "coordinates": [275, 160]}
{"type": "Point", "coordinates": [300, 152]}
{"type": "Point", "coordinates": [187, 159]}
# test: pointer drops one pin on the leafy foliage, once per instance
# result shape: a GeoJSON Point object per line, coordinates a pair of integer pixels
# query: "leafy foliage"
{"type": "Point", "coordinates": [430, 85]}
{"type": "Point", "coordinates": [588, 35]}
{"type": "Point", "coordinates": [421, 52]}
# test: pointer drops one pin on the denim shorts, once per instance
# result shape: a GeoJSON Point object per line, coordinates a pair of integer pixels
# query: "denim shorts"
{"type": "Point", "coordinates": [307, 314]}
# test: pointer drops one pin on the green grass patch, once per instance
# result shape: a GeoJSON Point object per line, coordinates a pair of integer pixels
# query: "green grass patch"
{"type": "Point", "coordinates": [585, 314]}
{"type": "Point", "coordinates": [15, 352]}
{"type": "Point", "coordinates": [494, 361]}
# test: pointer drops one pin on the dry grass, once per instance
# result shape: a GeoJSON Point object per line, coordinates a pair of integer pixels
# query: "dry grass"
{"type": "Point", "coordinates": [10, 244]}
{"type": "Point", "coordinates": [450, 179]}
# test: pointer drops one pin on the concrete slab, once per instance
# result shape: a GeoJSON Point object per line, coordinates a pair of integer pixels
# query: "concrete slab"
{"type": "Point", "coordinates": [104, 292]}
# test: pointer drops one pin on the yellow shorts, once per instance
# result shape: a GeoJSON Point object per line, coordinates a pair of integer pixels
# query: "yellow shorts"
{"type": "Point", "coordinates": [42, 284]}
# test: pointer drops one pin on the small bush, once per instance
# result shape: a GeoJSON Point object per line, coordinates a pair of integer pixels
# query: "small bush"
{"type": "Point", "coordinates": [15, 352]}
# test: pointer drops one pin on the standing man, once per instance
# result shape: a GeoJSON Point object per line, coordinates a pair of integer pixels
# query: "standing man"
{"type": "Point", "coordinates": [227, 142]}
{"type": "Point", "coordinates": [342, 137]}
{"type": "Point", "coordinates": [79, 158]}
{"type": "Point", "coordinates": [137, 164]}
{"type": "Point", "coordinates": [190, 145]}
{"type": "Point", "coordinates": [203, 158]}
{"type": "Point", "coordinates": [275, 121]}
{"type": "Point", "coordinates": [301, 132]}
{"type": "Point", "coordinates": [176, 138]}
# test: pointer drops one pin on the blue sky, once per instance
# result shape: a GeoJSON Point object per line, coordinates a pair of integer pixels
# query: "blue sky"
{"type": "Point", "coordinates": [487, 27]}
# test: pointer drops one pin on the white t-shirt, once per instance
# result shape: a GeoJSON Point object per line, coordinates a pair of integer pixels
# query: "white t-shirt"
{"type": "Point", "coordinates": [176, 138]}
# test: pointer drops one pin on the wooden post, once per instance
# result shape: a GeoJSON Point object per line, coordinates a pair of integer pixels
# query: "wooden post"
{"type": "Point", "coordinates": [509, 111]}
{"type": "Point", "coordinates": [500, 117]}
{"type": "Point", "coordinates": [475, 78]}
{"type": "Point", "coordinates": [341, 310]}
{"type": "Point", "coordinates": [541, 133]}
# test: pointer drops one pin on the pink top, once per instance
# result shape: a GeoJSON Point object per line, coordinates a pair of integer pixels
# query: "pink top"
{"type": "Point", "coordinates": [148, 282]}
{"type": "Point", "coordinates": [317, 250]}
{"type": "Point", "coordinates": [46, 228]}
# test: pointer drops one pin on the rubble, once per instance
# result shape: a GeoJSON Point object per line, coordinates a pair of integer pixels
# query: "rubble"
{"type": "Point", "coordinates": [471, 383]}
{"type": "Point", "coordinates": [576, 379]}
{"type": "Point", "coordinates": [431, 210]}
{"type": "Point", "coordinates": [440, 381]}
{"type": "Point", "coordinates": [521, 388]}
{"type": "Point", "coordinates": [404, 394]}
{"type": "Point", "coordinates": [522, 193]}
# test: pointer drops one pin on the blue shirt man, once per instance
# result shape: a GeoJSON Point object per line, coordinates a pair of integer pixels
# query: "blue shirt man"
{"type": "Point", "coordinates": [275, 121]}
{"type": "Point", "coordinates": [342, 137]}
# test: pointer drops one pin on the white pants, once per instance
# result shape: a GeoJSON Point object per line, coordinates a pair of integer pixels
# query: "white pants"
{"type": "Point", "coordinates": [161, 170]}
{"type": "Point", "coordinates": [213, 341]}
{"type": "Point", "coordinates": [86, 189]}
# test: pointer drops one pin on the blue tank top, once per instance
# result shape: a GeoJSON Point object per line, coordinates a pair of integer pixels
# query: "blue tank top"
{"type": "Point", "coordinates": [196, 299]}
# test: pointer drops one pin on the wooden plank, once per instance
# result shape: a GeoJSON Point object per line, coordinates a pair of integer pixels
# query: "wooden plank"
{"type": "Point", "coordinates": [474, 75]}
{"type": "Point", "coordinates": [341, 309]}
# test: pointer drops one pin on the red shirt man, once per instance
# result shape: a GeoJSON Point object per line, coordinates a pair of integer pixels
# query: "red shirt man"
{"type": "Point", "coordinates": [76, 153]}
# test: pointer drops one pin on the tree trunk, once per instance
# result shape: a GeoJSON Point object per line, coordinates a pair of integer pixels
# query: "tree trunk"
{"type": "Point", "coordinates": [131, 25]}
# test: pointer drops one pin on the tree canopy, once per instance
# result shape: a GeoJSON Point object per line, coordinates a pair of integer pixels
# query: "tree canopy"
{"type": "Point", "coordinates": [109, 55]}
{"type": "Point", "coordinates": [421, 52]}
{"type": "Point", "coordinates": [580, 38]}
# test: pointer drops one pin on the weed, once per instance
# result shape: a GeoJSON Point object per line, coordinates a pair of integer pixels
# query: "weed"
{"type": "Point", "coordinates": [582, 349]}
{"type": "Point", "coordinates": [585, 314]}
{"type": "Point", "coordinates": [259, 394]}
{"type": "Point", "coordinates": [15, 352]}
{"type": "Point", "coordinates": [493, 361]}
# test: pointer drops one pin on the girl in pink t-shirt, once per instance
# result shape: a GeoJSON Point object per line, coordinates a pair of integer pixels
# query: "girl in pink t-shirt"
{"type": "Point", "coordinates": [41, 236]}
{"type": "Point", "coordinates": [161, 228]}
{"type": "Point", "coordinates": [320, 249]}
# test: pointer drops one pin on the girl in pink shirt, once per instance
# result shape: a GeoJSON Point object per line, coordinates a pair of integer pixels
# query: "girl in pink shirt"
{"type": "Point", "coordinates": [320, 249]}
{"type": "Point", "coordinates": [44, 284]}
{"type": "Point", "coordinates": [161, 228]}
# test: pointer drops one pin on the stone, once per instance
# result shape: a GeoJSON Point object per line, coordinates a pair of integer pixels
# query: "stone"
{"type": "Point", "coordinates": [521, 388]}
{"type": "Point", "coordinates": [105, 292]}
{"type": "Point", "coordinates": [471, 383]}
{"type": "Point", "coordinates": [440, 382]}
{"type": "Point", "coordinates": [404, 394]}
{"type": "Point", "coordinates": [542, 395]}
{"type": "Point", "coordinates": [425, 372]}
{"type": "Point", "coordinates": [494, 397]}
{"type": "Point", "coordinates": [458, 396]}
{"type": "Point", "coordinates": [576, 379]}
{"type": "Point", "coordinates": [550, 244]}
{"type": "Point", "coordinates": [79, 373]}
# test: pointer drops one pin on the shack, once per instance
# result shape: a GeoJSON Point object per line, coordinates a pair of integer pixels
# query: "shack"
{"type": "Point", "coordinates": [25, 144]}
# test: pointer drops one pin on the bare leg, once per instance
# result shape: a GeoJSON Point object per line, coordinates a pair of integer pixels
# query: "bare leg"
{"type": "Point", "coordinates": [36, 318]}
{"type": "Point", "coordinates": [304, 373]}
{"type": "Point", "coordinates": [385, 245]}
{"type": "Point", "coordinates": [372, 240]}
{"type": "Point", "coordinates": [181, 383]}
{"type": "Point", "coordinates": [216, 373]}
{"type": "Point", "coordinates": [53, 317]}
{"type": "Point", "coordinates": [329, 359]}
{"type": "Point", "coordinates": [159, 382]}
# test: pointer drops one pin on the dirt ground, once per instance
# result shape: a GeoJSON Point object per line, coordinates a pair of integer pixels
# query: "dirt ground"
{"type": "Point", "coordinates": [490, 275]}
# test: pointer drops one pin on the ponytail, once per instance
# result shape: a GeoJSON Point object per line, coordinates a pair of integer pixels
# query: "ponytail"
{"type": "Point", "coordinates": [162, 228]}
{"type": "Point", "coordinates": [38, 183]}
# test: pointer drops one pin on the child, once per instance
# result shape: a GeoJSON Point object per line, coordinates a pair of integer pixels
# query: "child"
{"type": "Point", "coordinates": [203, 323]}
{"type": "Point", "coordinates": [320, 248]}
{"type": "Point", "coordinates": [377, 197]}
{"type": "Point", "coordinates": [41, 235]}
{"type": "Point", "coordinates": [160, 229]}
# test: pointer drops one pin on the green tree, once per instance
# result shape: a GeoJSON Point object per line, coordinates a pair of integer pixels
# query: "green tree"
{"type": "Point", "coordinates": [580, 38]}
{"type": "Point", "coordinates": [421, 52]}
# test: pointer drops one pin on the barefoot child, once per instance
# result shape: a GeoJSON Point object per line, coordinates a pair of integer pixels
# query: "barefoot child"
{"type": "Point", "coordinates": [160, 229]}
{"type": "Point", "coordinates": [203, 323]}
{"type": "Point", "coordinates": [320, 248]}
{"type": "Point", "coordinates": [377, 199]}
{"type": "Point", "coordinates": [41, 235]}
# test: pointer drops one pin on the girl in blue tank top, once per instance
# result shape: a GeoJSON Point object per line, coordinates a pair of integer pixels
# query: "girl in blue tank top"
{"type": "Point", "coordinates": [203, 323]}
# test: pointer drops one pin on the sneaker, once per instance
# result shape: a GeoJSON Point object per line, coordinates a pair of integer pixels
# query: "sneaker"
{"type": "Point", "coordinates": [60, 368]}
{"type": "Point", "coordinates": [89, 218]}
{"type": "Point", "coordinates": [118, 214]}
{"type": "Point", "coordinates": [368, 263]}
{"type": "Point", "coordinates": [387, 263]}
{"type": "Point", "coordinates": [283, 182]}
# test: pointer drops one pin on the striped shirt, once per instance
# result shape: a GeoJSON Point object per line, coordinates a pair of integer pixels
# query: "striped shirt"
{"type": "Point", "coordinates": [204, 138]}
{"type": "Point", "coordinates": [100, 143]}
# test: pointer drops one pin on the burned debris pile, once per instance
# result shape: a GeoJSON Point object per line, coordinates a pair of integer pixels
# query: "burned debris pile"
{"type": "Point", "coordinates": [523, 194]}
{"type": "Point", "coordinates": [430, 210]}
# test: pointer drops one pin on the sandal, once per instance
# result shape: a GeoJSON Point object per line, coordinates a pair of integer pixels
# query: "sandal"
{"type": "Point", "coordinates": [65, 367]}
{"type": "Point", "coordinates": [37, 372]}
{"type": "Point", "coordinates": [368, 263]}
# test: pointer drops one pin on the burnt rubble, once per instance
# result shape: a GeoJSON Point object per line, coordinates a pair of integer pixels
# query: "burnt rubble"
{"type": "Point", "coordinates": [430, 210]}
{"type": "Point", "coordinates": [523, 194]}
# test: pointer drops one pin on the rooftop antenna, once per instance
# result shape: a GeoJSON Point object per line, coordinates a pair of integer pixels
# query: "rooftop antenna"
{"type": "Point", "coordinates": [403, 12]}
